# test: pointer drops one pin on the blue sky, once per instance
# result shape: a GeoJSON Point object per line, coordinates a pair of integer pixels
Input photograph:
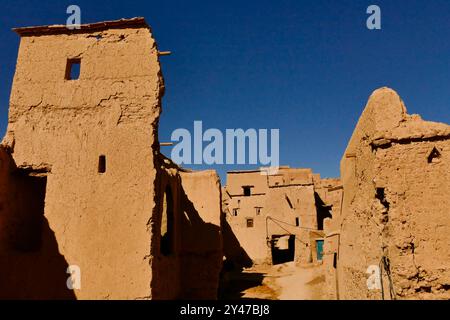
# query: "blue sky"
{"type": "Point", "coordinates": [305, 67]}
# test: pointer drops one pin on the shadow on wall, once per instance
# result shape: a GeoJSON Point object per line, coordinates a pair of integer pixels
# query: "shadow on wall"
{"type": "Point", "coordinates": [323, 211]}
{"type": "Point", "coordinates": [39, 275]}
{"type": "Point", "coordinates": [164, 245]}
{"type": "Point", "coordinates": [236, 257]}
{"type": "Point", "coordinates": [31, 266]}
{"type": "Point", "coordinates": [201, 254]}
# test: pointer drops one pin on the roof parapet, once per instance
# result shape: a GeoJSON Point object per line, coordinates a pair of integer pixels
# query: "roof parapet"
{"type": "Point", "coordinates": [138, 22]}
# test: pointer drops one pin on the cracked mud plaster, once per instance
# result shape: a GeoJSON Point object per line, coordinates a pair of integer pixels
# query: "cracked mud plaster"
{"type": "Point", "coordinates": [90, 147]}
{"type": "Point", "coordinates": [99, 221]}
{"type": "Point", "coordinates": [387, 163]}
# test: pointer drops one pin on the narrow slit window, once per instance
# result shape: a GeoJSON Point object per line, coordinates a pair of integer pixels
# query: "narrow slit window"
{"type": "Point", "coordinates": [73, 69]}
{"type": "Point", "coordinates": [297, 222]}
{"type": "Point", "coordinates": [167, 224]}
{"type": "Point", "coordinates": [102, 164]}
{"type": "Point", "coordinates": [235, 212]}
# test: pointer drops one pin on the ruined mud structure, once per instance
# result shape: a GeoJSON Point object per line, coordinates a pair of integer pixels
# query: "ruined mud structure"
{"type": "Point", "coordinates": [84, 186]}
{"type": "Point", "coordinates": [385, 228]}
{"type": "Point", "coordinates": [82, 181]}
{"type": "Point", "coordinates": [395, 211]}
{"type": "Point", "coordinates": [277, 218]}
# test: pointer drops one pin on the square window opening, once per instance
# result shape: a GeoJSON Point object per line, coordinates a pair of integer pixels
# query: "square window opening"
{"type": "Point", "coordinates": [73, 69]}
{"type": "Point", "coordinates": [249, 223]}
{"type": "Point", "coordinates": [247, 191]}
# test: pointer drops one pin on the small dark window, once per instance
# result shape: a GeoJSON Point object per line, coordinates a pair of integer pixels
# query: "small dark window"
{"type": "Point", "coordinates": [73, 69]}
{"type": "Point", "coordinates": [102, 164]}
{"type": "Point", "coordinates": [235, 212]}
{"type": "Point", "coordinates": [297, 222]}
{"type": "Point", "coordinates": [258, 211]}
{"type": "Point", "coordinates": [247, 191]}
{"type": "Point", "coordinates": [335, 260]}
{"type": "Point", "coordinates": [249, 223]}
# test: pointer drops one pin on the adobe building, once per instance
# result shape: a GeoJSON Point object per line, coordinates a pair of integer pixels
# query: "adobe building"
{"type": "Point", "coordinates": [395, 210]}
{"type": "Point", "coordinates": [82, 179]}
{"type": "Point", "coordinates": [276, 218]}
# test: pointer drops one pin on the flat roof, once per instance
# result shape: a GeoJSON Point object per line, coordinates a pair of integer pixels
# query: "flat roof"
{"type": "Point", "coordinates": [263, 169]}
{"type": "Point", "coordinates": [242, 171]}
{"type": "Point", "coordinates": [138, 22]}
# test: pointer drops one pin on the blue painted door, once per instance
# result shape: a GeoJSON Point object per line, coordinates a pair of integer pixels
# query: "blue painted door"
{"type": "Point", "coordinates": [319, 246]}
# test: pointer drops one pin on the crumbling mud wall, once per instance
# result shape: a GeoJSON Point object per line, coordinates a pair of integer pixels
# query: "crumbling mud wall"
{"type": "Point", "coordinates": [82, 181]}
{"type": "Point", "coordinates": [31, 265]}
{"type": "Point", "coordinates": [202, 241]}
{"type": "Point", "coordinates": [186, 246]}
{"type": "Point", "coordinates": [166, 223]}
{"type": "Point", "coordinates": [395, 209]}
{"type": "Point", "coordinates": [98, 134]}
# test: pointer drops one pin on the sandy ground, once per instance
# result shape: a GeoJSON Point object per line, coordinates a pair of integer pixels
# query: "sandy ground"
{"type": "Point", "coordinates": [280, 282]}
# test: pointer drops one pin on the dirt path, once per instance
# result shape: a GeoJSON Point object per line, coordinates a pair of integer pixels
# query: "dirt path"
{"type": "Point", "coordinates": [301, 283]}
{"type": "Point", "coordinates": [281, 282]}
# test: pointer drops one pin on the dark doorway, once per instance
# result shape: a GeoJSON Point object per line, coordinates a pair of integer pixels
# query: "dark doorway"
{"type": "Point", "coordinates": [167, 223]}
{"type": "Point", "coordinates": [29, 213]}
{"type": "Point", "coordinates": [283, 248]}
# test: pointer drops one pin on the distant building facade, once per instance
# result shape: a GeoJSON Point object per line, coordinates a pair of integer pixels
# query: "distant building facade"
{"type": "Point", "coordinates": [278, 217]}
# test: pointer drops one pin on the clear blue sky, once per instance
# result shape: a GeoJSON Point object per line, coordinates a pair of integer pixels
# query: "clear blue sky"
{"type": "Point", "coordinates": [305, 67]}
